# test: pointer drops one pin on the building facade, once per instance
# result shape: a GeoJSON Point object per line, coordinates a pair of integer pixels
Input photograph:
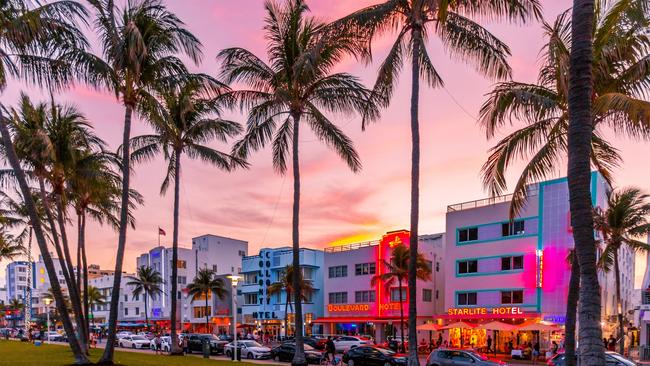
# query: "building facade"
{"type": "Point", "coordinates": [131, 308]}
{"type": "Point", "coordinates": [271, 312]}
{"type": "Point", "coordinates": [516, 270]}
{"type": "Point", "coordinates": [353, 305]}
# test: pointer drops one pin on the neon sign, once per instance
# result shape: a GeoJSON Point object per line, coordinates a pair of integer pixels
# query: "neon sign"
{"type": "Point", "coordinates": [395, 242]}
{"type": "Point", "coordinates": [389, 306]}
{"type": "Point", "coordinates": [485, 311]}
{"type": "Point", "coordinates": [540, 268]}
{"type": "Point", "coordinates": [333, 308]}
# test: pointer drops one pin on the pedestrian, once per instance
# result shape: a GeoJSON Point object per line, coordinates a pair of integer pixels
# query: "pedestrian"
{"type": "Point", "coordinates": [186, 345]}
{"type": "Point", "coordinates": [489, 344]}
{"type": "Point", "coordinates": [611, 343]}
{"type": "Point", "coordinates": [554, 348]}
{"type": "Point", "coordinates": [330, 349]}
{"type": "Point", "coordinates": [157, 344]}
{"type": "Point", "coordinates": [536, 352]}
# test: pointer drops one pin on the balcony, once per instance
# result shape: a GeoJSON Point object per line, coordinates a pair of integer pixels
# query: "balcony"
{"type": "Point", "coordinates": [347, 247]}
{"type": "Point", "coordinates": [532, 191]}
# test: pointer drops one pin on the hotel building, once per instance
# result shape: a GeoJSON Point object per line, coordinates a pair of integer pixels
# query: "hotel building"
{"type": "Point", "coordinates": [515, 270]}
{"type": "Point", "coordinates": [267, 311]}
{"type": "Point", "coordinates": [354, 306]}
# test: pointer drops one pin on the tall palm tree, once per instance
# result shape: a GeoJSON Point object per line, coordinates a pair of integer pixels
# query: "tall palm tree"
{"type": "Point", "coordinates": [397, 270]}
{"type": "Point", "coordinates": [203, 285]}
{"type": "Point", "coordinates": [95, 297]}
{"type": "Point", "coordinates": [298, 86]}
{"type": "Point", "coordinates": [573, 297]}
{"type": "Point", "coordinates": [620, 224]}
{"type": "Point", "coordinates": [184, 121]}
{"type": "Point", "coordinates": [146, 282]}
{"type": "Point", "coordinates": [619, 80]}
{"type": "Point", "coordinates": [9, 247]}
{"type": "Point", "coordinates": [140, 44]}
{"type": "Point", "coordinates": [415, 21]}
{"type": "Point", "coordinates": [285, 284]}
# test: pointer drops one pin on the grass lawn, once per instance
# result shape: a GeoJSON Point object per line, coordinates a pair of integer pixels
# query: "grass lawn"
{"type": "Point", "coordinates": [14, 353]}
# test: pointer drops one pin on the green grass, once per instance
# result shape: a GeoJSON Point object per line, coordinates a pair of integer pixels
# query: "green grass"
{"type": "Point", "coordinates": [14, 353]}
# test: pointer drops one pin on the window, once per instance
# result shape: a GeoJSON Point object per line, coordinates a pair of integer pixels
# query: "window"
{"type": "Point", "coordinates": [250, 299]}
{"type": "Point", "coordinates": [22, 278]}
{"type": "Point", "coordinates": [181, 264]}
{"type": "Point", "coordinates": [511, 263]}
{"type": "Point", "coordinates": [338, 297]}
{"type": "Point", "coordinates": [512, 228]}
{"type": "Point", "coordinates": [512, 297]}
{"type": "Point", "coordinates": [200, 311]}
{"type": "Point", "coordinates": [136, 298]}
{"type": "Point", "coordinates": [437, 294]}
{"type": "Point", "coordinates": [427, 295]}
{"type": "Point", "coordinates": [137, 311]}
{"type": "Point", "coordinates": [468, 266]}
{"type": "Point", "coordinates": [214, 268]}
{"type": "Point", "coordinates": [364, 296]}
{"type": "Point", "coordinates": [126, 311]}
{"type": "Point", "coordinates": [21, 269]}
{"type": "Point", "coordinates": [182, 280]}
{"type": "Point", "coordinates": [395, 296]}
{"type": "Point", "coordinates": [242, 253]}
{"type": "Point", "coordinates": [467, 234]}
{"type": "Point", "coordinates": [126, 297]}
{"type": "Point", "coordinates": [338, 271]}
{"type": "Point", "coordinates": [437, 266]}
{"type": "Point", "coordinates": [250, 279]}
{"type": "Point", "coordinates": [361, 269]}
{"type": "Point", "coordinates": [466, 298]}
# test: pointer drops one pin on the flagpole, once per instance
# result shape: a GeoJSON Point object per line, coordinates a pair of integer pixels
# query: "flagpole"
{"type": "Point", "coordinates": [158, 235]}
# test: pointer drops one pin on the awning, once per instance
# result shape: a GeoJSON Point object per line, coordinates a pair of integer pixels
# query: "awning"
{"type": "Point", "coordinates": [429, 326]}
{"type": "Point", "coordinates": [496, 325]}
{"type": "Point", "coordinates": [486, 316]}
{"type": "Point", "coordinates": [334, 320]}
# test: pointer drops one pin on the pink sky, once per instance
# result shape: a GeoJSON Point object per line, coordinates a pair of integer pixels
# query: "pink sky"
{"type": "Point", "coordinates": [255, 205]}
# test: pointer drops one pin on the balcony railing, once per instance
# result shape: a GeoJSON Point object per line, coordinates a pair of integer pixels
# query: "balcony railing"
{"type": "Point", "coordinates": [532, 191]}
{"type": "Point", "coordinates": [347, 247]}
{"type": "Point", "coordinates": [645, 298]}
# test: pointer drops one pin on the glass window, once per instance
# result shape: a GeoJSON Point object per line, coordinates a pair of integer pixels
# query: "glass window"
{"type": "Point", "coordinates": [518, 262]}
{"type": "Point", "coordinates": [250, 299]}
{"type": "Point", "coordinates": [468, 234]}
{"type": "Point", "coordinates": [505, 263]}
{"type": "Point", "coordinates": [338, 297]}
{"type": "Point", "coordinates": [364, 296]}
{"type": "Point", "coordinates": [512, 228]}
{"type": "Point", "coordinates": [426, 295]}
{"type": "Point", "coordinates": [467, 298]}
{"type": "Point", "coordinates": [512, 297]}
{"type": "Point", "coordinates": [468, 266]}
{"type": "Point", "coordinates": [361, 269]}
{"type": "Point", "coordinates": [395, 294]}
{"type": "Point", "coordinates": [338, 271]}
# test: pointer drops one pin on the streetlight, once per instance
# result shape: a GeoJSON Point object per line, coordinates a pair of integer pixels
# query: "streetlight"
{"type": "Point", "coordinates": [47, 301]}
{"type": "Point", "coordinates": [234, 279]}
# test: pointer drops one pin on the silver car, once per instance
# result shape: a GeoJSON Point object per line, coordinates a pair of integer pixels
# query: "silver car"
{"type": "Point", "coordinates": [453, 357]}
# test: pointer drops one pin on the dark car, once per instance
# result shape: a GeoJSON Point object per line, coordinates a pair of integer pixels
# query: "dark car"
{"type": "Point", "coordinates": [612, 359]}
{"type": "Point", "coordinates": [317, 343]}
{"type": "Point", "coordinates": [195, 343]}
{"type": "Point", "coordinates": [458, 357]}
{"type": "Point", "coordinates": [287, 350]}
{"type": "Point", "coordinates": [374, 356]}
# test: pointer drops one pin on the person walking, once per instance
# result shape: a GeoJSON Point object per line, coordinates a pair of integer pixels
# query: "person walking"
{"type": "Point", "coordinates": [330, 349]}
{"type": "Point", "coordinates": [489, 344]}
{"type": "Point", "coordinates": [535, 352]}
{"type": "Point", "coordinates": [157, 344]}
{"type": "Point", "coordinates": [186, 345]}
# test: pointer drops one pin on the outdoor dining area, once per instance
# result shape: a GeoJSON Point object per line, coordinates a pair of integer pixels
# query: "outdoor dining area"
{"type": "Point", "coordinates": [505, 340]}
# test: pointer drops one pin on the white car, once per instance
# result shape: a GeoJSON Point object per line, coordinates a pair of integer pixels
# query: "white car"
{"type": "Point", "coordinates": [53, 336]}
{"type": "Point", "coordinates": [248, 349]}
{"type": "Point", "coordinates": [345, 343]}
{"type": "Point", "coordinates": [124, 333]}
{"type": "Point", "coordinates": [165, 344]}
{"type": "Point", "coordinates": [134, 342]}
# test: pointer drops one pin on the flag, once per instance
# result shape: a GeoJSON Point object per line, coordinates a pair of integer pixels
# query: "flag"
{"type": "Point", "coordinates": [161, 232]}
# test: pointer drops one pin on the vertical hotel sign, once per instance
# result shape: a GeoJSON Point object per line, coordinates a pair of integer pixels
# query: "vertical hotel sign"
{"type": "Point", "coordinates": [386, 245]}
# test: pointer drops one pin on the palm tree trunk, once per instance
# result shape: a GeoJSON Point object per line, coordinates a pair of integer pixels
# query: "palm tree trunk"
{"type": "Point", "coordinates": [107, 356]}
{"type": "Point", "coordinates": [592, 350]}
{"type": "Point", "coordinates": [286, 314]}
{"type": "Point", "coordinates": [299, 357]}
{"type": "Point", "coordinates": [146, 311]}
{"type": "Point", "coordinates": [571, 311]}
{"type": "Point", "coordinates": [175, 349]}
{"type": "Point", "coordinates": [415, 197]}
{"type": "Point", "coordinates": [85, 273]}
{"type": "Point", "coordinates": [619, 305]}
{"type": "Point", "coordinates": [79, 356]}
{"type": "Point", "coordinates": [84, 328]}
{"type": "Point", "coordinates": [401, 314]}
{"type": "Point", "coordinates": [207, 318]}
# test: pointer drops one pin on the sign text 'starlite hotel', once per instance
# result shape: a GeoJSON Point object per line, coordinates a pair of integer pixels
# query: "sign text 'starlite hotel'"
{"type": "Point", "coordinates": [511, 270]}
{"type": "Point", "coordinates": [353, 306]}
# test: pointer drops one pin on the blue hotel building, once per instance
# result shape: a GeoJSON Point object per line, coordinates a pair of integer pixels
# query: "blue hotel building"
{"type": "Point", "coordinates": [267, 312]}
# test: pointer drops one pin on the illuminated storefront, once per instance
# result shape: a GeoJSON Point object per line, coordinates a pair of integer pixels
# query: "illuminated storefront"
{"type": "Point", "coordinates": [353, 306]}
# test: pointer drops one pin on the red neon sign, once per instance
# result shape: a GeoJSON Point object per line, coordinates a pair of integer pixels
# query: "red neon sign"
{"type": "Point", "coordinates": [386, 244]}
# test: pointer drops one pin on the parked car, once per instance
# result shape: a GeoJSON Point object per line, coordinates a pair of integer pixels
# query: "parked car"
{"type": "Point", "coordinates": [248, 349]}
{"type": "Point", "coordinates": [53, 336]}
{"type": "Point", "coordinates": [373, 356]}
{"type": "Point", "coordinates": [195, 343]}
{"type": "Point", "coordinates": [225, 337]}
{"type": "Point", "coordinates": [147, 335]}
{"type": "Point", "coordinates": [316, 342]}
{"type": "Point", "coordinates": [612, 359]}
{"type": "Point", "coordinates": [287, 350]}
{"type": "Point", "coordinates": [449, 357]}
{"type": "Point", "coordinates": [124, 333]}
{"type": "Point", "coordinates": [165, 344]}
{"type": "Point", "coordinates": [345, 343]}
{"type": "Point", "coordinates": [134, 342]}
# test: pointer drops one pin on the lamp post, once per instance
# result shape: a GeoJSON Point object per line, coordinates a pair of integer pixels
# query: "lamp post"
{"type": "Point", "coordinates": [234, 279]}
{"type": "Point", "coordinates": [47, 301]}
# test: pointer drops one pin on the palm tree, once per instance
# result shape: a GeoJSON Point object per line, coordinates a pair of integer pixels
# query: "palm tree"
{"type": "Point", "coordinates": [415, 21]}
{"type": "Point", "coordinates": [297, 86]}
{"type": "Point", "coordinates": [35, 38]}
{"type": "Point", "coordinates": [624, 220]}
{"type": "Point", "coordinates": [619, 85]}
{"type": "Point", "coordinates": [15, 305]}
{"type": "Point", "coordinates": [203, 286]}
{"type": "Point", "coordinates": [9, 247]}
{"type": "Point", "coordinates": [95, 297]}
{"type": "Point", "coordinates": [619, 78]}
{"type": "Point", "coordinates": [139, 47]}
{"type": "Point", "coordinates": [184, 121]}
{"type": "Point", "coordinates": [285, 283]}
{"type": "Point", "coordinates": [146, 282]}
{"type": "Point", "coordinates": [397, 270]}
{"type": "Point", "coordinates": [573, 297]}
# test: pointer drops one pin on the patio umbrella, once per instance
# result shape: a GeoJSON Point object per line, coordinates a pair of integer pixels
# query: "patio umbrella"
{"type": "Point", "coordinates": [497, 326]}
{"type": "Point", "coordinates": [429, 327]}
{"type": "Point", "coordinates": [540, 327]}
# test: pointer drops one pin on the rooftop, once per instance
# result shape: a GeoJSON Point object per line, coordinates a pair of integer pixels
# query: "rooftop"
{"type": "Point", "coordinates": [532, 191]}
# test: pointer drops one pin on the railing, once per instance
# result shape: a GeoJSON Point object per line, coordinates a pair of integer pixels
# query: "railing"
{"type": "Point", "coordinates": [347, 247]}
{"type": "Point", "coordinates": [645, 298]}
{"type": "Point", "coordinates": [532, 191]}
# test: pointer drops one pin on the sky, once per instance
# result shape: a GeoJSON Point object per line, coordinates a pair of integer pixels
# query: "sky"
{"type": "Point", "coordinates": [337, 206]}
